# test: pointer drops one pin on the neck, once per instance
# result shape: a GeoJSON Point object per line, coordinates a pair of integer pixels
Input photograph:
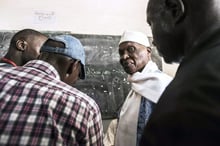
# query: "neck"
{"type": "Point", "coordinates": [15, 57]}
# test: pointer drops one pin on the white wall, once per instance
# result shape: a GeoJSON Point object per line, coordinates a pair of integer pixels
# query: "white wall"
{"type": "Point", "coordinates": [170, 69]}
{"type": "Point", "coordinates": [78, 16]}
{"type": "Point", "coordinates": [108, 17]}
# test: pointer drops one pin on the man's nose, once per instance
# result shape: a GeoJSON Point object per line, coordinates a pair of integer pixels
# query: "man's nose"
{"type": "Point", "coordinates": [125, 56]}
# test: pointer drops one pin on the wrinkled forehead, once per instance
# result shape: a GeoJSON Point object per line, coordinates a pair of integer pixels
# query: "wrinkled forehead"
{"type": "Point", "coordinates": [129, 43]}
{"type": "Point", "coordinates": [125, 45]}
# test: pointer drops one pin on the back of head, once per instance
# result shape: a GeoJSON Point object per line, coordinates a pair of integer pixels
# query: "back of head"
{"type": "Point", "coordinates": [25, 46]}
{"type": "Point", "coordinates": [66, 54]}
{"type": "Point", "coordinates": [177, 24]}
{"type": "Point", "coordinates": [24, 34]}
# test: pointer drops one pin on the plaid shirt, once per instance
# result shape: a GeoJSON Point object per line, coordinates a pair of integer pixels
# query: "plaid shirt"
{"type": "Point", "coordinates": [37, 109]}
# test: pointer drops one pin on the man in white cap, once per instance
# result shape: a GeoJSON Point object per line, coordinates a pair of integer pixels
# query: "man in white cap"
{"type": "Point", "coordinates": [147, 84]}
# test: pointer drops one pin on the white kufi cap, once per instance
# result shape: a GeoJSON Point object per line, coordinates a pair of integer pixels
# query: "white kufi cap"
{"type": "Point", "coordinates": [134, 36]}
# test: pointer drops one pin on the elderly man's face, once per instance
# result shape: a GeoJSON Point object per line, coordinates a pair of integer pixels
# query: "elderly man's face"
{"type": "Point", "coordinates": [133, 56]}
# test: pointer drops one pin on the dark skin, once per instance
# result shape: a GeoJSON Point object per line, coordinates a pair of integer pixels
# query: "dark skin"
{"type": "Point", "coordinates": [186, 112]}
{"type": "Point", "coordinates": [133, 56]}
{"type": "Point", "coordinates": [32, 50]}
{"type": "Point", "coordinates": [69, 69]}
{"type": "Point", "coordinates": [177, 24]}
{"type": "Point", "coordinates": [25, 48]}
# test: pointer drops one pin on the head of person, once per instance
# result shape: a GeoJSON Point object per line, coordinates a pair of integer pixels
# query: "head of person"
{"type": "Point", "coordinates": [177, 24]}
{"type": "Point", "coordinates": [25, 46]}
{"type": "Point", "coordinates": [67, 55]}
{"type": "Point", "coordinates": [134, 51]}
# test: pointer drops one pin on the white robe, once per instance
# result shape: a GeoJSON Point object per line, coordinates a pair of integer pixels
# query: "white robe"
{"type": "Point", "coordinates": [150, 83]}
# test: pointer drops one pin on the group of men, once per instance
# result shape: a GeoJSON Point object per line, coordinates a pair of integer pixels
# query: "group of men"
{"type": "Point", "coordinates": [38, 105]}
{"type": "Point", "coordinates": [37, 75]}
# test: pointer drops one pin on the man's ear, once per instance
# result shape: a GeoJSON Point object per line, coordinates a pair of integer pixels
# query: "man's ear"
{"type": "Point", "coordinates": [70, 73]}
{"type": "Point", "coordinates": [72, 67]}
{"type": "Point", "coordinates": [176, 8]}
{"type": "Point", "coordinates": [21, 45]}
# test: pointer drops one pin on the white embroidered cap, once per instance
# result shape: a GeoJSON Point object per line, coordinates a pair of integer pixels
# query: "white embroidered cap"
{"type": "Point", "coordinates": [135, 36]}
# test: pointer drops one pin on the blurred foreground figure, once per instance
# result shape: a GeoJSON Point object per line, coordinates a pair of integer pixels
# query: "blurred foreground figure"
{"type": "Point", "coordinates": [188, 112]}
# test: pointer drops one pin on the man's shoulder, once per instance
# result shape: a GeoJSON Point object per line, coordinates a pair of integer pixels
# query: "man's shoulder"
{"type": "Point", "coordinates": [75, 95]}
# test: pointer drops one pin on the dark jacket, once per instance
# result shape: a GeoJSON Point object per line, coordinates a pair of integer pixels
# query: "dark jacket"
{"type": "Point", "coordinates": [188, 112]}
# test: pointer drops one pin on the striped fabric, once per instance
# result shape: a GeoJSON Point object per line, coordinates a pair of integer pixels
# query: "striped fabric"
{"type": "Point", "coordinates": [37, 109]}
{"type": "Point", "coordinates": [145, 111]}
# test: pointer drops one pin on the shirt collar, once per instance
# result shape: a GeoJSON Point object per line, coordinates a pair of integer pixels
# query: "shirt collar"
{"type": "Point", "coordinates": [44, 67]}
{"type": "Point", "coordinates": [9, 62]}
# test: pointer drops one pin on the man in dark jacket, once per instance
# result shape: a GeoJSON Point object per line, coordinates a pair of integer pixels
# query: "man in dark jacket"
{"type": "Point", "coordinates": [188, 112]}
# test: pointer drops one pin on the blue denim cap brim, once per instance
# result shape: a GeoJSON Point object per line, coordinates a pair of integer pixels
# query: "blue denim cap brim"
{"type": "Point", "coordinates": [73, 49]}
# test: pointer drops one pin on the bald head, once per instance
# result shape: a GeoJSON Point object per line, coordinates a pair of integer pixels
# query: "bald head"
{"type": "Point", "coordinates": [25, 34]}
{"type": "Point", "coordinates": [25, 46]}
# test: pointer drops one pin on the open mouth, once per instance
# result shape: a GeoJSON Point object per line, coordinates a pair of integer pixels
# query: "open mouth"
{"type": "Point", "coordinates": [128, 65]}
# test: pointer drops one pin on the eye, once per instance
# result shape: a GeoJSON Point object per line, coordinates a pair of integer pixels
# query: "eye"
{"type": "Point", "coordinates": [130, 49]}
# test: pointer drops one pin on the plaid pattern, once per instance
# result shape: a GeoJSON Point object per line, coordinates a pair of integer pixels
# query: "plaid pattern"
{"type": "Point", "coordinates": [37, 109]}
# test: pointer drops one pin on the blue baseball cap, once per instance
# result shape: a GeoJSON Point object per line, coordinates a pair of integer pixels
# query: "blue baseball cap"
{"type": "Point", "coordinates": [73, 49]}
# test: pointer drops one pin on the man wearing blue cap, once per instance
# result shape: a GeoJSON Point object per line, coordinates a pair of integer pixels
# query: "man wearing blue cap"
{"type": "Point", "coordinates": [38, 107]}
